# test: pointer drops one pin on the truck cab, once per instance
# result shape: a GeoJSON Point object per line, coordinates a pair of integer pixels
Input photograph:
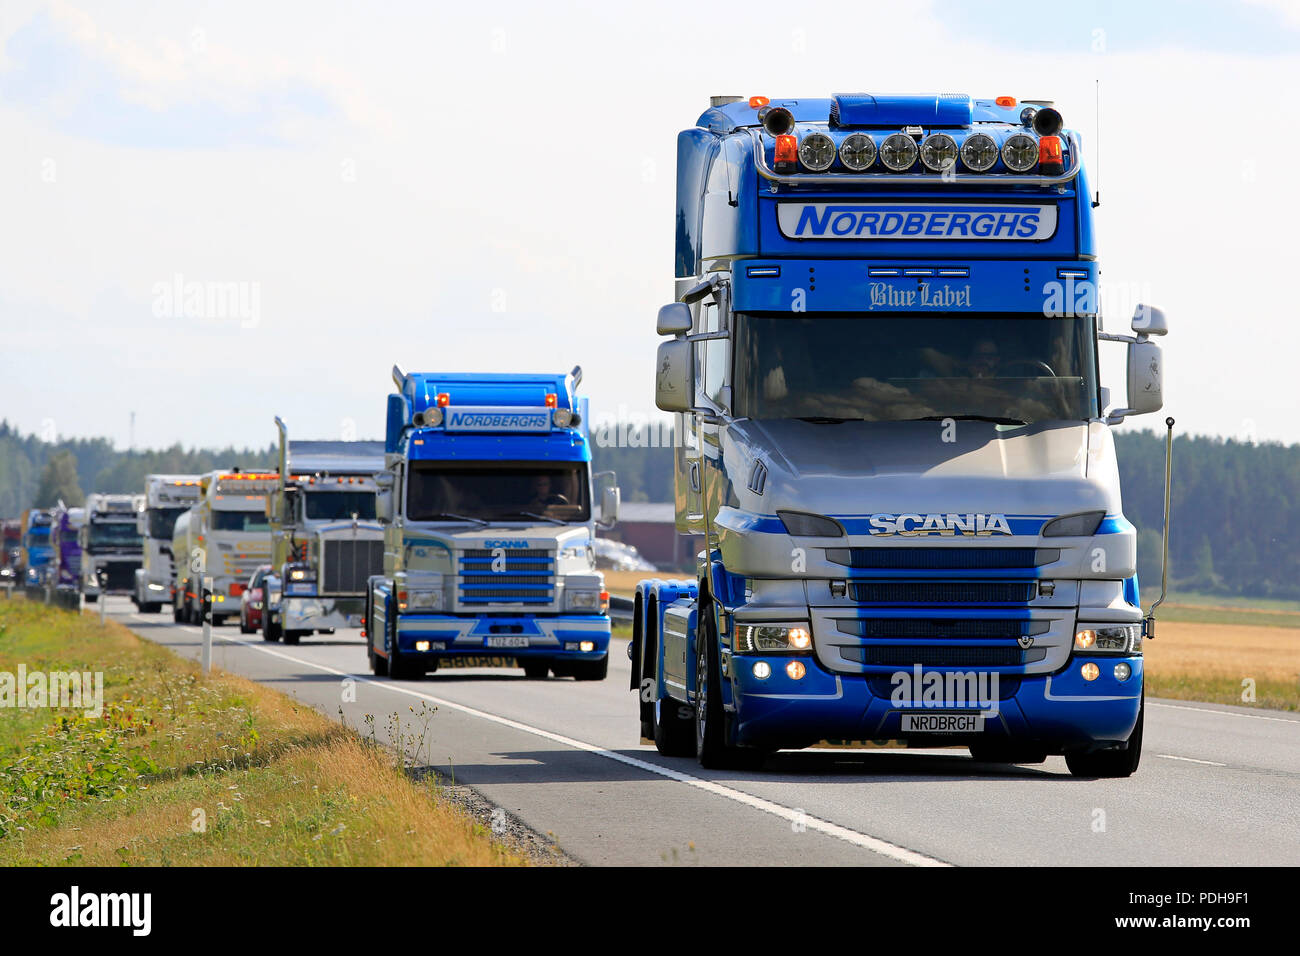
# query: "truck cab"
{"type": "Point", "coordinates": [111, 547]}
{"type": "Point", "coordinates": [225, 536]}
{"type": "Point", "coordinates": [326, 542]}
{"type": "Point", "coordinates": [166, 498]}
{"type": "Point", "coordinates": [65, 545]}
{"type": "Point", "coordinates": [487, 504]}
{"type": "Point", "coordinates": [36, 552]}
{"type": "Point", "coordinates": [882, 356]}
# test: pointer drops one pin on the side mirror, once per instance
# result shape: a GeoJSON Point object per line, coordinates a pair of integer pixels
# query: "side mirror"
{"type": "Point", "coordinates": [384, 505]}
{"type": "Point", "coordinates": [674, 319]}
{"type": "Point", "coordinates": [674, 376]}
{"type": "Point", "coordinates": [610, 500]}
{"type": "Point", "coordinates": [1145, 378]}
{"type": "Point", "coordinates": [1148, 320]}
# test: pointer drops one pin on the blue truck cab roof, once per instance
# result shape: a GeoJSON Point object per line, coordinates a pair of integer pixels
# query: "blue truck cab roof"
{"type": "Point", "coordinates": [487, 416]}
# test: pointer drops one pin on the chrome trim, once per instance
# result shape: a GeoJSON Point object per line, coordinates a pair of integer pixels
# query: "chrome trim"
{"type": "Point", "coordinates": [912, 179]}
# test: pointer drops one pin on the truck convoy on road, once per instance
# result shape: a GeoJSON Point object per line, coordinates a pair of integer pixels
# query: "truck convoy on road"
{"type": "Point", "coordinates": [226, 536]}
{"type": "Point", "coordinates": [883, 361]}
{"type": "Point", "coordinates": [111, 549]}
{"type": "Point", "coordinates": [486, 501]}
{"type": "Point", "coordinates": [325, 541]}
{"type": "Point", "coordinates": [166, 498]}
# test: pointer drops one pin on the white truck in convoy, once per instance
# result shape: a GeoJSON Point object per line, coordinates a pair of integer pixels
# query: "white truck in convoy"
{"type": "Point", "coordinates": [325, 539]}
{"type": "Point", "coordinates": [166, 498]}
{"type": "Point", "coordinates": [110, 545]}
{"type": "Point", "coordinates": [225, 536]}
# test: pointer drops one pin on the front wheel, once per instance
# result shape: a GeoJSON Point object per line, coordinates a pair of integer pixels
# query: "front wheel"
{"type": "Point", "coordinates": [1111, 763]}
{"type": "Point", "coordinates": [711, 747]}
{"type": "Point", "coordinates": [536, 670]}
{"type": "Point", "coordinates": [590, 670]}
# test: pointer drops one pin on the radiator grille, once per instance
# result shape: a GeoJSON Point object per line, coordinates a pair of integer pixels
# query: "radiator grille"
{"type": "Point", "coordinates": [939, 559]}
{"type": "Point", "coordinates": [525, 576]}
{"type": "Point", "coordinates": [946, 655]}
{"type": "Point", "coordinates": [942, 592]}
{"type": "Point", "coordinates": [348, 564]}
{"type": "Point", "coordinates": [924, 629]}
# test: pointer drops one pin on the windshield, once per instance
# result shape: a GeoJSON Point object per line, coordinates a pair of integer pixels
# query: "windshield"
{"type": "Point", "coordinates": [326, 505]}
{"type": "Point", "coordinates": [239, 521]}
{"type": "Point", "coordinates": [497, 490]}
{"type": "Point", "coordinates": [901, 367]}
{"type": "Point", "coordinates": [163, 520]}
{"type": "Point", "coordinates": [114, 534]}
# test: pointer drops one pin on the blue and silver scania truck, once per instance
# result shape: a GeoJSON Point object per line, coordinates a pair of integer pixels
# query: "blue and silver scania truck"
{"type": "Point", "coordinates": [896, 450]}
{"type": "Point", "coordinates": [486, 498]}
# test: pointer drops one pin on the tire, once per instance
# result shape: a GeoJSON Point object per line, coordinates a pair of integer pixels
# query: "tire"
{"type": "Point", "coordinates": [711, 747]}
{"type": "Point", "coordinates": [1112, 763]}
{"type": "Point", "coordinates": [178, 615]}
{"type": "Point", "coordinates": [590, 670]}
{"type": "Point", "coordinates": [536, 670]}
{"type": "Point", "coordinates": [1006, 753]}
{"type": "Point", "coordinates": [244, 628]}
{"type": "Point", "coordinates": [673, 728]}
{"type": "Point", "coordinates": [92, 598]}
{"type": "Point", "coordinates": [293, 637]}
{"type": "Point", "coordinates": [270, 632]}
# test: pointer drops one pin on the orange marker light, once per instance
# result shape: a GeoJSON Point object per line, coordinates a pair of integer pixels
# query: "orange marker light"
{"type": "Point", "coordinates": [787, 153]}
{"type": "Point", "coordinates": [444, 399]}
{"type": "Point", "coordinates": [551, 400]}
{"type": "Point", "coordinates": [1005, 101]}
{"type": "Point", "coordinates": [758, 102]}
{"type": "Point", "coordinates": [1051, 159]}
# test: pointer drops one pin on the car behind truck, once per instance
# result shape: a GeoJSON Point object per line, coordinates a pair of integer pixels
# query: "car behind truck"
{"type": "Point", "coordinates": [486, 501]}
{"type": "Point", "coordinates": [882, 359]}
{"type": "Point", "coordinates": [326, 543]}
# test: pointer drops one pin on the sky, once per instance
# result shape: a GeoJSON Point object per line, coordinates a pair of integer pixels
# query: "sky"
{"type": "Point", "coordinates": [489, 187]}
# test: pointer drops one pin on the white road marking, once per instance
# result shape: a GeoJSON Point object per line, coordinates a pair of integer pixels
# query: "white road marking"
{"type": "Point", "coordinates": [789, 814]}
{"type": "Point", "coordinates": [1224, 713]}
{"type": "Point", "coordinates": [1208, 763]}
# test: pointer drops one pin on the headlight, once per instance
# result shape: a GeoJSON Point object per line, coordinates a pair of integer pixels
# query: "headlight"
{"type": "Point", "coordinates": [811, 526]}
{"type": "Point", "coordinates": [858, 152]}
{"type": "Point", "coordinates": [1108, 639]}
{"type": "Point", "coordinates": [979, 152]}
{"type": "Point", "coordinates": [938, 151]}
{"type": "Point", "coordinates": [429, 600]}
{"type": "Point", "coordinates": [898, 152]}
{"type": "Point", "coordinates": [582, 600]}
{"type": "Point", "coordinates": [817, 152]}
{"type": "Point", "coordinates": [1082, 525]}
{"type": "Point", "coordinates": [767, 638]}
{"type": "Point", "coordinates": [301, 574]}
{"type": "Point", "coordinates": [1020, 153]}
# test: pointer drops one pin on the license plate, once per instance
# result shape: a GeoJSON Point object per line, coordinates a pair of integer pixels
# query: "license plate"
{"type": "Point", "coordinates": [510, 641]}
{"type": "Point", "coordinates": [476, 661]}
{"type": "Point", "coordinates": [943, 723]}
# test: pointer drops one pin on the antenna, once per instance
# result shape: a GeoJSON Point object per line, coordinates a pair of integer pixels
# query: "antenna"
{"type": "Point", "coordinates": [1096, 143]}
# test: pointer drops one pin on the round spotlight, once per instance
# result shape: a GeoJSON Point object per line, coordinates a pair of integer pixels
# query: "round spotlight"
{"type": "Point", "coordinates": [777, 120]}
{"type": "Point", "coordinates": [1122, 671]}
{"type": "Point", "coordinates": [858, 152]}
{"type": "Point", "coordinates": [1090, 671]}
{"type": "Point", "coordinates": [796, 670]}
{"type": "Point", "coordinates": [1047, 122]}
{"type": "Point", "coordinates": [799, 639]}
{"type": "Point", "coordinates": [898, 152]}
{"type": "Point", "coordinates": [762, 670]}
{"type": "Point", "coordinates": [979, 153]}
{"type": "Point", "coordinates": [1020, 153]}
{"type": "Point", "coordinates": [817, 152]}
{"type": "Point", "coordinates": [433, 416]}
{"type": "Point", "coordinates": [1027, 115]}
{"type": "Point", "coordinates": [562, 417]}
{"type": "Point", "coordinates": [938, 152]}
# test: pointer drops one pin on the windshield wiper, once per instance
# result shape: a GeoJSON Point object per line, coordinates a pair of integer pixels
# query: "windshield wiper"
{"type": "Point", "coordinates": [449, 516]}
{"type": "Point", "coordinates": [534, 514]}
{"type": "Point", "coordinates": [995, 419]}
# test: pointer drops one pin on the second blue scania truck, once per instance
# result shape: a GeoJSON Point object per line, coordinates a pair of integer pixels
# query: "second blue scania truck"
{"type": "Point", "coordinates": [486, 499]}
{"type": "Point", "coordinates": [897, 454]}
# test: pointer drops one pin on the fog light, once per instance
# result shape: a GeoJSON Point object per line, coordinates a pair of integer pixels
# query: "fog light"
{"type": "Point", "coordinates": [762, 670]}
{"type": "Point", "coordinates": [1090, 671]}
{"type": "Point", "coordinates": [1085, 638]}
{"type": "Point", "coordinates": [1122, 671]}
{"type": "Point", "coordinates": [796, 670]}
{"type": "Point", "coordinates": [421, 645]}
{"type": "Point", "coordinates": [587, 646]}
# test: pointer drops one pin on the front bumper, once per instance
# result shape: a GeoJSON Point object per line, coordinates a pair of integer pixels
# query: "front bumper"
{"type": "Point", "coordinates": [318, 613]}
{"type": "Point", "coordinates": [555, 637]}
{"type": "Point", "coordinates": [1058, 711]}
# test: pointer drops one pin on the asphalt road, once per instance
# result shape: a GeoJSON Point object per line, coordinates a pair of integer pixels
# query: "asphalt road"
{"type": "Point", "coordinates": [1217, 785]}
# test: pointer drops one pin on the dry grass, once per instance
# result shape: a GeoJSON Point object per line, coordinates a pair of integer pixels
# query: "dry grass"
{"type": "Point", "coordinates": [1207, 661]}
{"type": "Point", "coordinates": [187, 771]}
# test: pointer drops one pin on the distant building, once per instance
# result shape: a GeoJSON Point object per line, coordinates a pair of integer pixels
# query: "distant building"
{"type": "Point", "coordinates": [651, 527]}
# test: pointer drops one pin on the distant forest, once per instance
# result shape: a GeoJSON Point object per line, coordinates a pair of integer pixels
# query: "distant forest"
{"type": "Point", "coordinates": [1236, 507]}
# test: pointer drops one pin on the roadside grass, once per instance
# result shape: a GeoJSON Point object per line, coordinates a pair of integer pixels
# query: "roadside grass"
{"type": "Point", "coordinates": [1217, 663]}
{"type": "Point", "coordinates": [180, 770]}
{"type": "Point", "coordinates": [1234, 602]}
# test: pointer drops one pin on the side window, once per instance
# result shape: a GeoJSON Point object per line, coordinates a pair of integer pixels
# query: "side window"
{"type": "Point", "coordinates": [713, 367]}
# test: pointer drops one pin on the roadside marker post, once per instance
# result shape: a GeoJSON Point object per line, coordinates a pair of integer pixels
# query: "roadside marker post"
{"type": "Point", "coordinates": [207, 624]}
